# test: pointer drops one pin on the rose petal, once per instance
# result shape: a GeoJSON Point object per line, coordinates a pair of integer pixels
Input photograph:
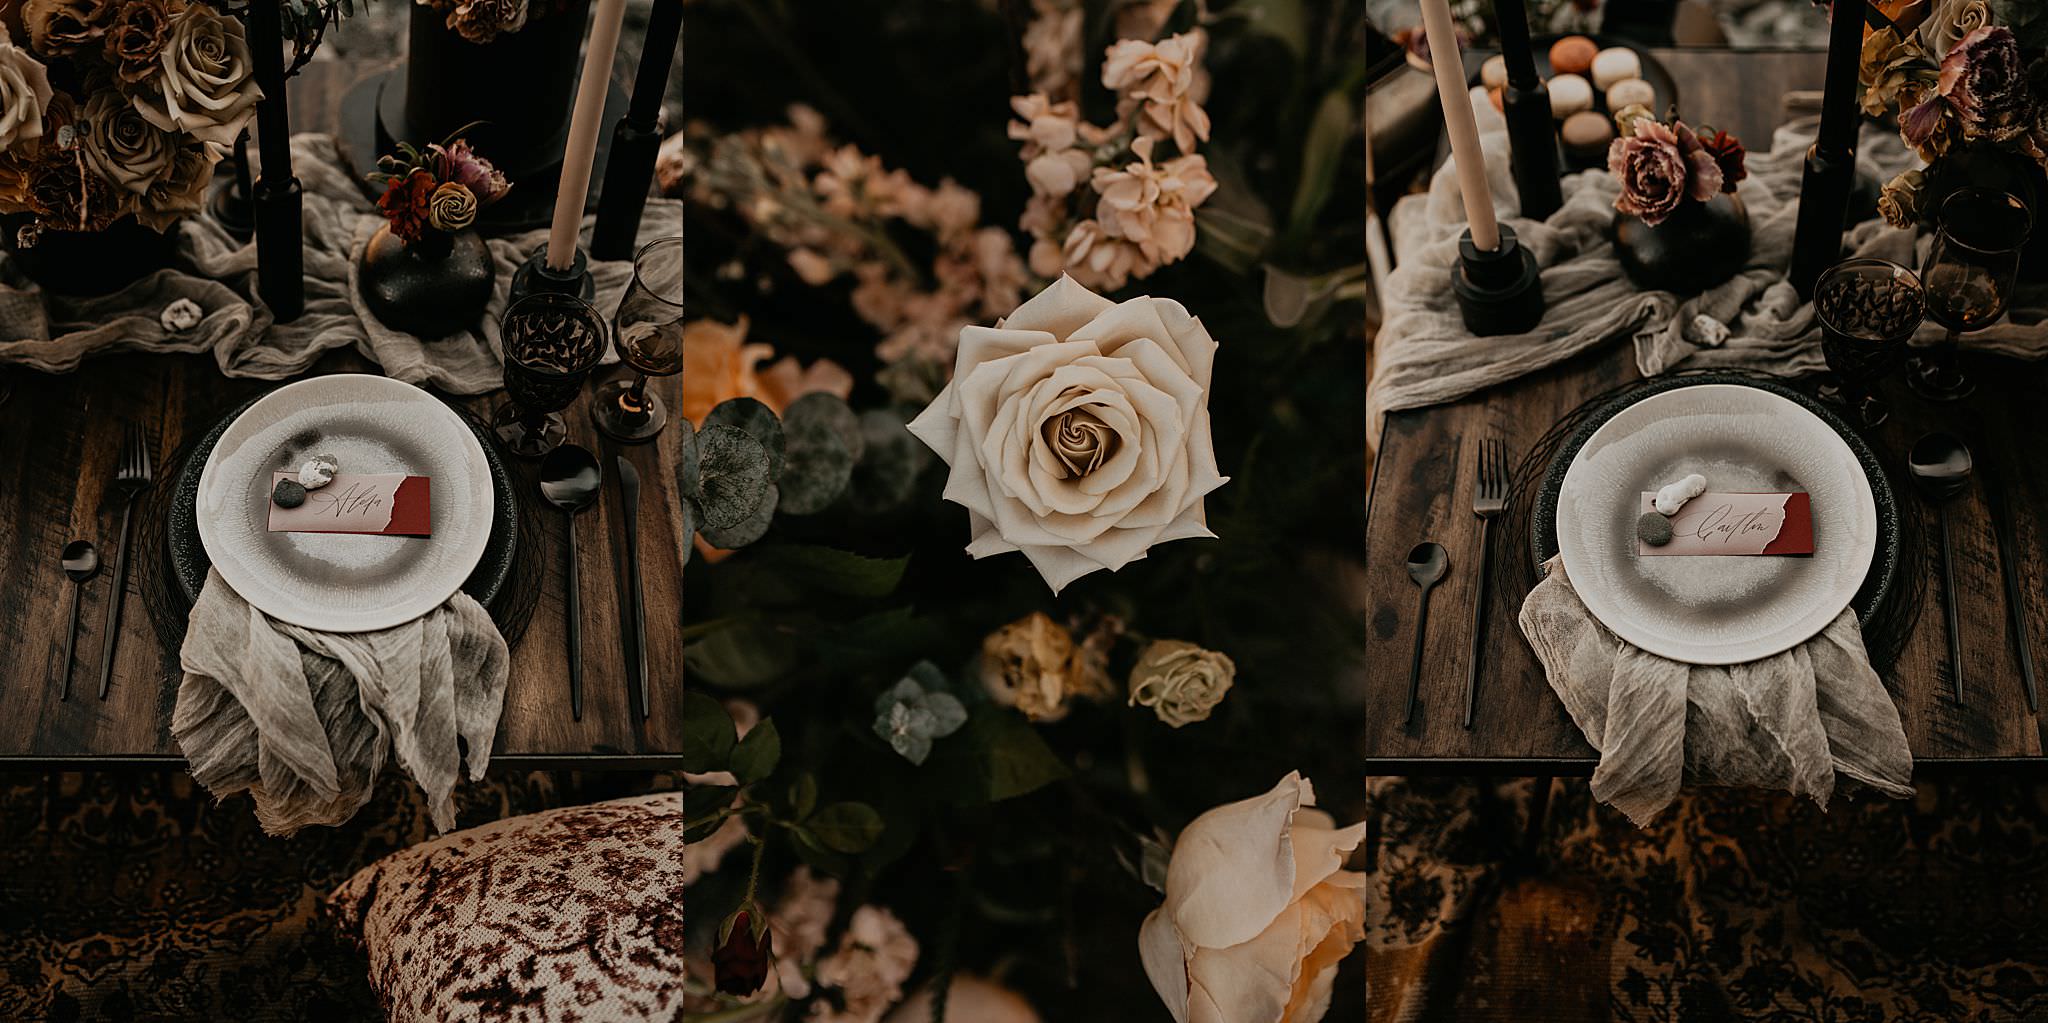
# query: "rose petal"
{"type": "Point", "coordinates": [1165, 963]}
{"type": "Point", "coordinates": [980, 345]}
{"type": "Point", "coordinates": [1232, 871]}
{"type": "Point", "coordinates": [1062, 308]}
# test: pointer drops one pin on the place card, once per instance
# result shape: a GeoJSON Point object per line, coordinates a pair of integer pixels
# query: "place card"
{"type": "Point", "coordinates": [1717, 523]}
{"type": "Point", "coordinates": [391, 504]}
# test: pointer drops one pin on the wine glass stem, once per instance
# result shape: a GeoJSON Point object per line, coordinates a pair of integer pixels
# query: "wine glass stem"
{"type": "Point", "coordinates": [637, 397]}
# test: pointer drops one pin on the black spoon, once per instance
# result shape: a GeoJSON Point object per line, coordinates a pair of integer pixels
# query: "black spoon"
{"type": "Point", "coordinates": [1427, 563]}
{"type": "Point", "coordinates": [570, 479]}
{"type": "Point", "coordinates": [81, 563]}
{"type": "Point", "coordinates": [1941, 469]}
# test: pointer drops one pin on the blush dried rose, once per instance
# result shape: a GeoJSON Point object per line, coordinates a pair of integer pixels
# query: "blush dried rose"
{"type": "Point", "coordinates": [452, 207]}
{"type": "Point", "coordinates": [24, 94]}
{"type": "Point", "coordinates": [137, 35]}
{"type": "Point", "coordinates": [406, 204]}
{"type": "Point", "coordinates": [462, 166]}
{"type": "Point", "coordinates": [205, 85]}
{"type": "Point", "coordinates": [1899, 201]}
{"type": "Point", "coordinates": [1652, 172]}
{"type": "Point", "coordinates": [1180, 681]}
{"type": "Point", "coordinates": [60, 27]}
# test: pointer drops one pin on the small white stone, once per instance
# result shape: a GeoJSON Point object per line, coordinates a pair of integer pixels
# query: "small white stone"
{"type": "Point", "coordinates": [318, 471]}
{"type": "Point", "coordinates": [1672, 496]}
{"type": "Point", "coordinates": [1709, 331]}
{"type": "Point", "coordinates": [181, 316]}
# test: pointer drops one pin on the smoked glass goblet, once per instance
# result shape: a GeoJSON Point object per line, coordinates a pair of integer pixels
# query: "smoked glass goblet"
{"type": "Point", "coordinates": [1968, 279]}
{"type": "Point", "coordinates": [1868, 309]}
{"type": "Point", "coordinates": [649, 339]}
{"type": "Point", "coordinates": [552, 341]}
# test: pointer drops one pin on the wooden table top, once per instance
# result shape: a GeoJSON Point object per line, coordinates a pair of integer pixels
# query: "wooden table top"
{"type": "Point", "coordinates": [62, 435]}
{"type": "Point", "coordinates": [1423, 480]}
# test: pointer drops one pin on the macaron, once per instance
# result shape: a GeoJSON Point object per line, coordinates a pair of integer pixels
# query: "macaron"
{"type": "Point", "coordinates": [1629, 91]}
{"type": "Point", "coordinates": [1614, 64]}
{"type": "Point", "coordinates": [1569, 94]}
{"type": "Point", "coordinates": [1586, 134]}
{"type": "Point", "coordinates": [1573, 55]}
{"type": "Point", "coordinates": [1494, 73]}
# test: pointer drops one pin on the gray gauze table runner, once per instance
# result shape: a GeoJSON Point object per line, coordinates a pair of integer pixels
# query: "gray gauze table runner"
{"type": "Point", "coordinates": [1754, 321]}
{"type": "Point", "coordinates": [56, 333]}
{"type": "Point", "coordinates": [304, 720]}
{"type": "Point", "coordinates": [1788, 721]}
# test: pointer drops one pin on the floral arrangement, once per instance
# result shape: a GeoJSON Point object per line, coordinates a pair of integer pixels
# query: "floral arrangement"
{"type": "Point", "coordinates": [1661, 167]}
{"type": "Point", "coordinates": [481, 21]}
{"type": "Point", "coordinates": [928, 783]}
{"type": "Point", "coordinates": [115, 108]}
{"type": "Point", "coordinates": [436, 189]}
{"type": "Point", "coordinates": [1960, 76]}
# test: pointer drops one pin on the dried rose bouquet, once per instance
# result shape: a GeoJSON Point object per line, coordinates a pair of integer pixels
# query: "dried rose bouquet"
{"type": "Point", "coordinates": [1663, 166]}
{"type": "Point", "coordinates": [438, 189]}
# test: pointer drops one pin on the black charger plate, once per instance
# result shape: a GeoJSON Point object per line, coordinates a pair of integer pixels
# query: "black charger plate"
{"type": "Point", "coordinates": [1885, 612]}
{"type": "Point", "coordinates": [189, 563]}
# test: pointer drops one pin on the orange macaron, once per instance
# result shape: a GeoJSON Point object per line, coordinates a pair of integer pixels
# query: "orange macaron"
{"type": "Point", "coordinates": [1573, 55]}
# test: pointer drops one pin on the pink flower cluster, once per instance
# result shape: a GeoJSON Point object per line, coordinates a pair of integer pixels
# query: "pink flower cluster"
{"type": "Point", "coordinates": [1661, 166]}
{"type": "Point", "coordinates": [1102, 208]}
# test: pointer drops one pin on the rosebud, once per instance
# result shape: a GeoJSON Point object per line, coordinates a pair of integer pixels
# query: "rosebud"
{"type": "Point", "coordinates": [745, 950]}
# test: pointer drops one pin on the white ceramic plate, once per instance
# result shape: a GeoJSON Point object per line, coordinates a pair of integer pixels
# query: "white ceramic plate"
{"type": "Point", "coordinates": [341, 582]}
{"type": "Point", "coordinates": [1714, 609]}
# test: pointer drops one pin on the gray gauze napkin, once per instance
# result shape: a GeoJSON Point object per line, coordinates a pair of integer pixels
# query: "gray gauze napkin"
{"type": "Point", "coordinates": [304, 720]}
{"type": "Point", "coordinates": [1788, 721]}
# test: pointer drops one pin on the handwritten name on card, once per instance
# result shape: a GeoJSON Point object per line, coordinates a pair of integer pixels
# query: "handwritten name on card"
{"type": "Point", "coordinates": [1715, 523]}
{"type": "Point", "coordinates": [391, 504]}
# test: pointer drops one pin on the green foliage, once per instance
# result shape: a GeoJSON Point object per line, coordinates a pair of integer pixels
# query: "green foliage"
{"type": "Point", "coordinates": [997, 756]}
{"type": "Point", "coordinates": [755, 757]}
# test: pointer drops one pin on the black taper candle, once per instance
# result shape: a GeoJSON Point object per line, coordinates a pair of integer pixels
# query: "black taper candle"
{"type": "Point", "coordinates": [1831, 160]}
{"type": "Point", "coordinates": [278, 199]}
{"type": "Point", "coordinates": [636, 138]}
{"type": "Point", "coordinates": [1525, 102]}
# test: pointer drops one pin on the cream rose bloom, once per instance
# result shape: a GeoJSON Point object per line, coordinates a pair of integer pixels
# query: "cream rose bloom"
{"type": "Point", "coordinates": [1180, 681]}
{"type": "Point", "coordinates": [1258, 911]}
{"type": "Point", "coordinates": [206, 88]}
{"type": "Point", "coordinates": [1077, 430]}
{"type": "Point", "coordinates": [122, 145]}
{"type": "Point", "coordinates": [24, 93]}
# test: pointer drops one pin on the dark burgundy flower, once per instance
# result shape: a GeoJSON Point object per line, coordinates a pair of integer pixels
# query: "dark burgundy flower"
{"type": "Point", "coordinates": [1729, 155]}
{"type": "Point", "coordinates": [745, 949]}
{"type": "Point", "coordinates": [407, 202]}
{"type": "Point", "coordinates": [1985, 81]}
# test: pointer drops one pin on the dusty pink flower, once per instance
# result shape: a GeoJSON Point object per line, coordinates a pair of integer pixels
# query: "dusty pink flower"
{"type": "Point", "coordinates": [875, 956]}
{"type": "Point", "coordinates": [1984, 79]}
{"type": "Point", "coordinates": [799, 920]}
{"type": "Point", "coordinates": [1100, 261]}
{"type": "Point", "coordinates": [1160, 81]}
{"type": "Point", "coordinates": [461, 165]}
{"type": "Point", "coordinates": [1153, 205]}
{"type": "Point", "coordinates": [1044, 126]}
{"type": "Point", "coordinates": [1052, 46]}
{"type": "Point", "coordinates": [1660, 167]}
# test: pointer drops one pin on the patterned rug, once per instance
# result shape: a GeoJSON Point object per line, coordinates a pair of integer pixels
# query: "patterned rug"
{"type": "Point", "coordinates": [132, 896]}
{"type": "Point", "coordinates": [1735, 905]}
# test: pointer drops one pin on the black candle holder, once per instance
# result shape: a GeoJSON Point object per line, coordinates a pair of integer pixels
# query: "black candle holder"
{"type": "Point", "coordinates": [1532, 128]}
{"type": "Point", "coordinates": [1499, 292]}
{"type": "Point", "coordinates": [1830, 173]}
{"type": "Point", "coordinates": [535, 276]}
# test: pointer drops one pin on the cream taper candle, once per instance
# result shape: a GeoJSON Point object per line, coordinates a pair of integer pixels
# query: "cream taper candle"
{"type": "Point", "coordinates": [583, 128]}
{"type": "Point", "coordinates": [1458, 120]}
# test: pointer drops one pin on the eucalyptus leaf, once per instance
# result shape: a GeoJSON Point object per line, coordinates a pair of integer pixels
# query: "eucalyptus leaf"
{"type": "Point", "coordinates": [886, 475]}
{"type": "Point", "coordinates": [748, 530]}
{"type": "Point", "coordinates": [824, 441]}
{"type": "Point", "coordinates": [846, 827]}
{"type": "Point", "coordinates": [686, 464]}
{"type": "Point", "coordinates": [758, 421]}
{"type": "Point", "coordinates": [733, 478]}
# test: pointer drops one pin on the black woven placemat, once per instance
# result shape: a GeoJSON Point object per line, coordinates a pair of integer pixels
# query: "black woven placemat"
{"type": "Point", "coordinates": [1887, 604]}
{"type": "Point", "coordinates": [507, 582]}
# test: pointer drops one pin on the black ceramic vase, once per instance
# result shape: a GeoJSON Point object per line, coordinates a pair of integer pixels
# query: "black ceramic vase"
{"type": "Point", "coordinates": [433, 287]}
{"type": "Point", "coordinates": [1696, 247]}
{"type": "Point", "coordinates": [87, 263]}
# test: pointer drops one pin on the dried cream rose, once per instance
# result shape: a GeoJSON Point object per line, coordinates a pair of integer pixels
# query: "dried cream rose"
{"type": "Point", "coordinates": [121, 145]}
{"type": "Point", "coordinates": [206, 88]}
{"type": "Point", "coordinates": [1258, 911]}
{"type": "Point", "coordinates": [1180, 681]}
{"type": "Point", "coordinates": [1029, 664]}
{"type": "Point", "coordinates": [1077, 430]}
{"type": "Point", "coordinates": [24, 93]}
{"type": "Point", "coordinates": [452, 207]}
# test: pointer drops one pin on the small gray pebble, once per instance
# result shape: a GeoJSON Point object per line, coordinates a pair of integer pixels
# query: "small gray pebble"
{"type": "Point", "coordinates": [288, 494]}
{"type": "Point", "coordinates": [1654, 529]}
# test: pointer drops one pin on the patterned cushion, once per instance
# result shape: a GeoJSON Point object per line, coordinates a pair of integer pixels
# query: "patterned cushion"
{"type": "Point", "coordinates": [572, 915]}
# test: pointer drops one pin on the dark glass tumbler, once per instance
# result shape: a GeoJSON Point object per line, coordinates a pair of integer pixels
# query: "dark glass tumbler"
{"type": "Point", "coordinates": [552, 341]}
{"type": "Point", "coordinates": [1868, 309]}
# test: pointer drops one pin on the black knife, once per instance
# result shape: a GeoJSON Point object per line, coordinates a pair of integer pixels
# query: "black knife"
{"type": "Point", "coordinates": [636, 613]}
